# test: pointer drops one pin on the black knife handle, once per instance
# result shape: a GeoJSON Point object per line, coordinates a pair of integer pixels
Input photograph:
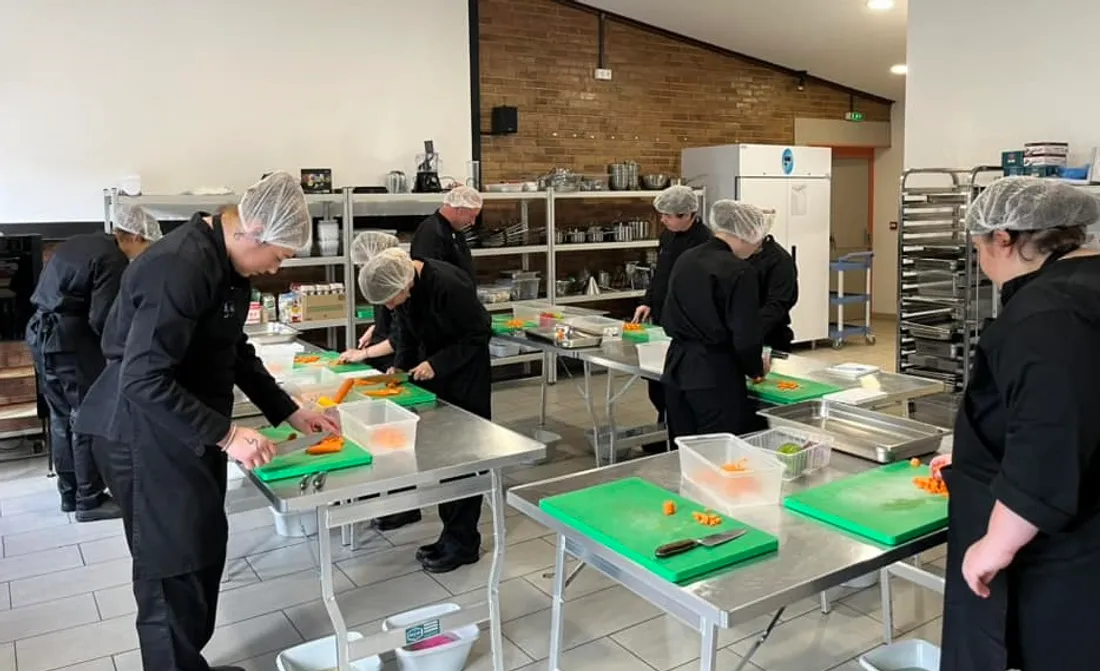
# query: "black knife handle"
{"type": "Point", "coordinates": [673, 549]}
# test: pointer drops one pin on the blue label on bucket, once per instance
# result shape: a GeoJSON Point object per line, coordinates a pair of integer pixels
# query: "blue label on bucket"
{"type": "Point", "coordinates": [421, 632]}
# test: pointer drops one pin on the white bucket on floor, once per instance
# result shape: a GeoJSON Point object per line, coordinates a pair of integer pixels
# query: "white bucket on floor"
{"type": "Point", "coordinates": [295, 525]}
{"type": "Point", "coordinates": [320, 655]}
{"type": "Point", "coordinates": [914, 655]}
{"type": "Point", "coordinates": [863, 582]}
{"type": "Point", "coordinates": [446, 657]}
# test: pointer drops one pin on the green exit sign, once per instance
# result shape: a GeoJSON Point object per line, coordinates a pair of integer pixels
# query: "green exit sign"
{"type": "Point", "coordinates": [853, 116]}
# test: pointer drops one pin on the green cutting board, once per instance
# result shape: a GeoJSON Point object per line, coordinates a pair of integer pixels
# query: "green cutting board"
{"type": "Point", "coordinates": [643, 335]}
{"type": "Point", "coordinates": [627, 516]}
{"type": "Point", "coordinates": [882, 504]}
{"type": "Point", "coordinates": [410, 396]}
{"type": "Point", "coordinates": [499, 327]}
{"type": "Point", "coordinates": [807, 390]}
{"type": "Point", "coordinates": [297, 464]}
{"type": "Point", "coordinates": [327, 358]}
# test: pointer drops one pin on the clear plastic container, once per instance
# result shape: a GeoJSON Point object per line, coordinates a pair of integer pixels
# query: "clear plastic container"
{"type": "Point", "coordinates": [320, 655]}
{"type": "Point", "coordinates": [525, 288]}
{"type": "Point", "coordinates": [608, 328]}
{"type": "Point", "coordinates": [813, 453]}
{"type": "Point", "coordinates": [279, 359]}
{"type": "Point", "coordinates": [447, 652]}
{"type": "Point", "coordinates": [379, 425]}
{"type": "Point", "coordinates": [731, 471]}
{"type": "Point", "coordinates": [651, 355]}
{"type": "Point", "coordinates": [912, 655]}
{"type": "Point", "coordinates": [545, 314]}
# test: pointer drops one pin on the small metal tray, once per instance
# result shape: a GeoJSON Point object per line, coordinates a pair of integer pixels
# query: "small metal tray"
{"type": "Point", "coordinates": [571, 339]}
{"type": "Point", "coordinates": [858, 431]}
{"type": "Point", "coordinates": [271, 333]}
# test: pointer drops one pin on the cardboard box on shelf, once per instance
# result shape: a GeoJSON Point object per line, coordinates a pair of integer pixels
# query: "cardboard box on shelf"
{"type": "Point", "coordinates": [320, 307]}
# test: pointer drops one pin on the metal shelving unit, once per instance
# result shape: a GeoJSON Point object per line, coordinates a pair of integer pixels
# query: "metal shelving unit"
{"type": "Point", "coordinates": [943, 297]}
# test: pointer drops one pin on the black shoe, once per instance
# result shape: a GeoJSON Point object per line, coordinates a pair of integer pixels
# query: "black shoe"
{"type": "Point", "coordinates": [68, 504]}
{"type": "Point", "coordinates": [398, 520]}
{"type": "Point", "coordinates": [447, 562]}
{"type": "Point", "coordinates": [108, 510]}
{"type": "Point", "coordinates": [656, 448]}
{"type": "Point", "coordinates": [226, 668]}
{"type": "Point", "coordinates": [429, 551]}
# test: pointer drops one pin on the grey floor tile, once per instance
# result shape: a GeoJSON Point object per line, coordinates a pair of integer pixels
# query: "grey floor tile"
{"type": "Point", "coordinates": [481, 657]}
{"type": "Point", "coordinates": [61, 536]}
{"type": "Point", "coordinates": [104, 549]}
{"type": "Point", "coordinates": [256, 541]}
{"type": "Point", "coordinates": [517, 598]}
{"type": "Point", "coordinates": [28, 502]}
{"type": "Point", "coordinates": [264, 662]}
{"type": "Point", "coordinates": [32, 521]}
{"type": "Point", "coordinates": [249, 638]}
{"type": "Point", "coordinates": [586, 619]}
{"type": "Point", "coordinates": [727, 659]}
{"type": "Point", "coordinates": [76, 644]}
{"type": "Point", "coordinates": [42, 618]}
{"type": "Point", "coordinates": [70, 582]}
{"type": "Point", "coordinates": [5, 596]}
{"type": "Point", "coordinates": [39, 563]}
{"type": "Point", "coordinates": [816, 641]}
{"type": "Point", "coordinates": [589, 580]}
{"type": "Point", "coordinates": [259, 518]}
{"type": "Point", "coordinates": [913, 606]}
{"type": "Point", "coordinates": [101, 664]}
{"type": "Point", "coordinates": [519, 560]}
{"type": "Point", "coordinates": [368, 604]}
{"type": "Point", "coordinates": [119, 600]}
{"type": "Point", "coordinates": [599, 655]}
{"type": "Point", "coordinates": [128, 661]}
{"type": "Point", "coordinates": [272, 595]}
{"type": "Point", "coordinates": [375, 567]}
{"type": "Point", "coordinates": [7, 657]}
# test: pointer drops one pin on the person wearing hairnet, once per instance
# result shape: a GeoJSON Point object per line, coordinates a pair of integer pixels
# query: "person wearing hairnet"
{"type": "Point", "coordinates": [1023, 534]}
{"type": "Point", "coordinates": [440, 236]}
{"type": "Point", "coordinates": [161, 410]}
{"type": "Point", "coordinates": [443, 334]}
{"type": "Point", "coordinates": [75, 293]}
{"type": "Point", "coordinates": [677, 206]}
{"type": "Point", "coordinates": [712, 314]}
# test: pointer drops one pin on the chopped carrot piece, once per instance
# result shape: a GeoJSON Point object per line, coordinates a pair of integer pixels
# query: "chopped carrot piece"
{"type": "Point", "coordinates": [914, 462]}
{"type": "Point", "coordinates": [329, 446]}
{"type": "Point", "coordinates": [342, 392]}
{"type": "Point", "coordinates": [736, 467]}
{"type": "Point", "coordinates": [670, 508]}
{"type": "Point", "coordinates": [291, 436]}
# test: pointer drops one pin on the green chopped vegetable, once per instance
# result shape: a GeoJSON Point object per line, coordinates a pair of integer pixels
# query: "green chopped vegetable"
{"type": "Point", "coordinates": [790, 448]}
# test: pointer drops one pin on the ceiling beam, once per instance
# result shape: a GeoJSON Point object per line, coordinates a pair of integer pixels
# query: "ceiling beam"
{"type": "Point", "coordinates": [722, 51]}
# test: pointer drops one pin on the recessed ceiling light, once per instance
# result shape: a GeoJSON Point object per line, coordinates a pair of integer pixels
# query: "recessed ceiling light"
{"type": "Point", "coordinates": [901, 69]}
{"type": "Point", "coordinates": [880, 5]}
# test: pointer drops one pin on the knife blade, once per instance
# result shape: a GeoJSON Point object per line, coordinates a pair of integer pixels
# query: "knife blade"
{"type": "Point", "coordinates": [399, 378]}
{"type": "Point", "coordinates": [714, 540]}
{"type": "Point", "coordinates": [308, 440]}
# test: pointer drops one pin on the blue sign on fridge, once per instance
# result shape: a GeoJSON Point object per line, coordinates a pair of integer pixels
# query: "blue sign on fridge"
{"type": "Point", "coordinates": [788, 161]}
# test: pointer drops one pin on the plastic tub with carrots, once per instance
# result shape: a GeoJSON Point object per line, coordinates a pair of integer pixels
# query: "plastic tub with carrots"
{"type": "Point", "coordinates": [731, 471]}
{"type": "Point", "coordinates": [379, 426]}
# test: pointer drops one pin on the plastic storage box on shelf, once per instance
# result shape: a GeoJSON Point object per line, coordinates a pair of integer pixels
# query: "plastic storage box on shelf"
{"type": "Point", "coordinates": [295, 525]}
{"type": "Point", "coordinates": [651, 355]}
{"type": "Point", "coordinates": [379, 425]}
{"type": "Point", "coordinates": [731, 471]}
{"type": "Point", "coordinates": [438, 651]}
{"type": "Point", "coordinates": [546, 314]}
{"type": "Point", "coordinates": [320, 655]}
{"type": "Point", "coordinates": [279, 359]}
{"type": "Point", "coordinates": [912, 655]}
{"type": "Point", "coordinates": [800, 452]}
{"type": "Point", "coordinates": [608, 328]}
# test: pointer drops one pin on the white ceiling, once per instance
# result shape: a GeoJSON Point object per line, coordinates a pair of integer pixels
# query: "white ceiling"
{"type": "Point", "coordinates": [839, 40]}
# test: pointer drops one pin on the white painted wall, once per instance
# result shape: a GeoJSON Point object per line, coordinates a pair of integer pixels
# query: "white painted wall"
{"type": "Point", "coordinates": [209, 92]}
{"type": "Point", "coordinates": [979, 83]}
{"type": "Point", "coordinates": [888, 167]}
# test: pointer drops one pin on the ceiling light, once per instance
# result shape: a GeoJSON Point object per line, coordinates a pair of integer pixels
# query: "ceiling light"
{"type": "Point", "coordinates": [880, 5]}
{"type": "Point", "coordinates": [901, 69]}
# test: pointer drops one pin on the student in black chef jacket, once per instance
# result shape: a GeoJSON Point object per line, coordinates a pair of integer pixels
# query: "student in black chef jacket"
{"type": "Point", "coordinates": [75, 293]}
{"type": "Point", "coordinates": [778, 278]}
{"type": "Point", "coordinates": [440, 236]}
{"type": "Point", "coordinates": [1023, 549]}
{"type": "Point", "coordinates": [374, 347]}
{"type": "Point", "coordinates": [175, 348]}
{"type": "Point", "coordinates": [677, 206]}
{"type": "Point", "coordinates": [712, 314]}
{"type": "Point", "coordinates": [443, 342]}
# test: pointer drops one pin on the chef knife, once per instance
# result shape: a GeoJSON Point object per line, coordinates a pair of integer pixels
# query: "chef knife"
{"type": "Point", "coordinates": [399, 378]}
{"type": "Point", "coordinates": [308, 440]}
{"type": "Point", "coordinates": [714, 540]}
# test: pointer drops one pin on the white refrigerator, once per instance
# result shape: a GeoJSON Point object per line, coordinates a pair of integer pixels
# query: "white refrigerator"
{"type": "Point", "coordinates": [795, 182]}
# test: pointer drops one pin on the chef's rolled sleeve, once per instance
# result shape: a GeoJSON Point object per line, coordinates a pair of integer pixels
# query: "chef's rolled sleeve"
{"type": "Point", "coordinates": [1047, 448]}
{"type": "Point", "coordinates": [169, 299]}
{"type": "Point", "coordinates": [258, 385]}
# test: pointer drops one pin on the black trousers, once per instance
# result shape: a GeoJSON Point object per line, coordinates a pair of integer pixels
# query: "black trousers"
{"type": "Point", "coordinates": [78, 478]}
{"type": "Point", "coordinates": [460, 520]}
{"type": "Point", "coordinates": [693, 412]}
{"type": "Point", "coordinates": [657, 398]}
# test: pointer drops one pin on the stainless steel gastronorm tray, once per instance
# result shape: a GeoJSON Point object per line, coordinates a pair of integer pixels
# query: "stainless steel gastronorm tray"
{"type": "Point", "coordinates": [270, 333]}
{"type": "Point", "coordinates": [574, 340]}
{"type": "Point", "coordinates": [858, 431]}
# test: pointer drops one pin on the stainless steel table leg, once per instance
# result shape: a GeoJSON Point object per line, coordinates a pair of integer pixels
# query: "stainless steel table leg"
{"type": "Point", "coordinates": [587, 392]}
{"type": "Point", "coordinates": [557, 605]}
{"type": "Point", "coordinates": [542, 388]}
{"type": "Point", "coordinates": [609, 410]}
{"type": "Point", "coordinates": [708, 653]}
{"type": "Point", "coordinates": [887, 606]}
{"type": "Point", "coordinates": [499, 542]}
{"type": "Point", "coordinates": [826, 607]}
{"type": "Point", "coordinates": [760, 641]}
{"type": "Point", "coordinates": [328, 593]}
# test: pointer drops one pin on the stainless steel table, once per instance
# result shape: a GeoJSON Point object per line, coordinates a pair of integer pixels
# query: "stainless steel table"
{"type": "Point", "coordinates": [812, 557]}
{"type": "Point", "coordinates": [457, 455]}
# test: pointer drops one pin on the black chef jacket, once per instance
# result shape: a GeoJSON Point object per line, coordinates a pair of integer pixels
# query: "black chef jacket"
{"type": "Point", "coordinates": [436, 239]}
{"type": "Point", "coordinates": [669, 248]}
{"type": "Point", "coordinates": [444, 323]}
{"type": "Point", "coordinates": [383, 325]}
{"type": "Point", "coordinates": [75, 293]}
{"type": "Point", "coordinates": [712, 314]}
{"type": "Point", "coordinates": [1028, 435]}
{"type": "Point", "coordinates": [778, 278]}
{"type": "Point", "coordinates": [175, 348]}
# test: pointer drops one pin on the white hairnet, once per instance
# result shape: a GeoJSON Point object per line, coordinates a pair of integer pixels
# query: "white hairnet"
{"type": "Point", "coordinates": [1030, 204]}
{"type": "Point", "coordinates": [368, 243]}
{"type": "Point", "coordinates": [274, 211]}
{"type": "Point", "coordinates": [463, 196]}
{"type": "Point", "coordinates": [677, 199]}
{"type": "Point", "coordinates": [739, 219]}
{"type": "Point", "coordinates": [387, 274]}
{"type": "Point", "coordinates": [133, 219]}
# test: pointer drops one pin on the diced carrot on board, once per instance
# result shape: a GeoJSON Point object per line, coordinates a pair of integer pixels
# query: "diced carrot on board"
{"type": "Point", "coordinates": [670, 508]}
{"type": "Point", "coordinates": [914, 462]}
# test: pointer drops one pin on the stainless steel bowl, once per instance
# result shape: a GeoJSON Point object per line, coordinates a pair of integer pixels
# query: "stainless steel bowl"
{"type": "Point", "coordinates": [656, 182]}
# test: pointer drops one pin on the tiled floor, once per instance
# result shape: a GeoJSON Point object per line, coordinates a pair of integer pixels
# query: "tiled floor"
{"type": "Point", "coordinates": [65, 600]}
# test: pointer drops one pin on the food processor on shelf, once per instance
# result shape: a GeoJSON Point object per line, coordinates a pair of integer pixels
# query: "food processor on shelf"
{"type": "Point", "coordinates": [427, 170]}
